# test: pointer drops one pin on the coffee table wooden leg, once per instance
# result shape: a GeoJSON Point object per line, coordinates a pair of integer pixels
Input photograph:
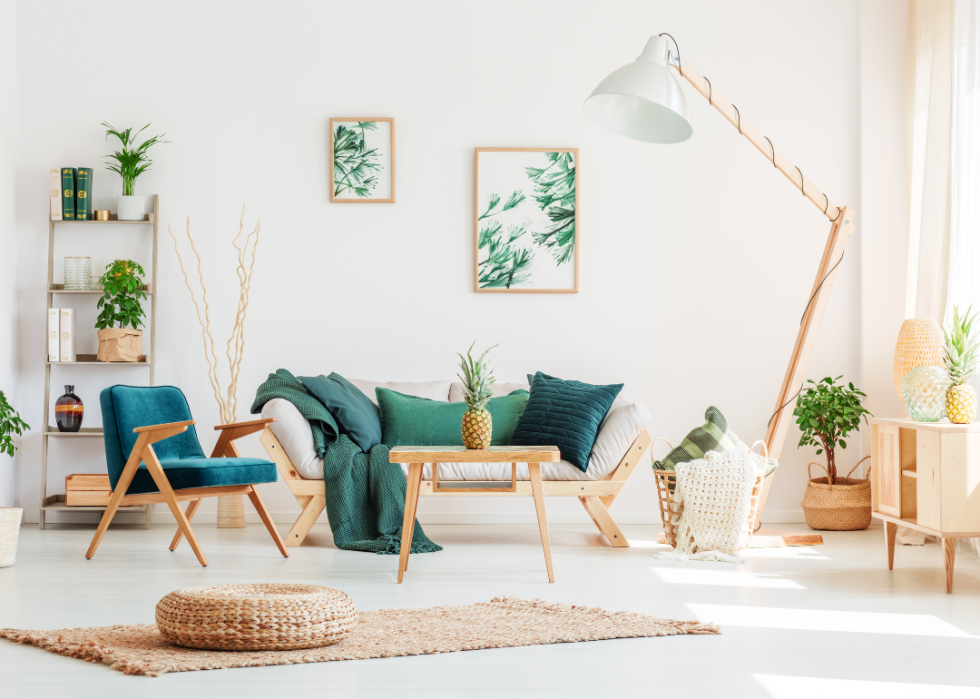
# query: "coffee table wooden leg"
{"type": "Point", "coordinates": [408, 523]}
{"type": "Point", "coordinates": [538, 491]}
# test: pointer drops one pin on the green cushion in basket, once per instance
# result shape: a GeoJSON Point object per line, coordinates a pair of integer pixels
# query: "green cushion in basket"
{"type": "Point", "coordinates": [713, 435]}
{"type": "Point", "coordinates": [566, 414]}
{"type": "Point", "coordinates": [414, 421]}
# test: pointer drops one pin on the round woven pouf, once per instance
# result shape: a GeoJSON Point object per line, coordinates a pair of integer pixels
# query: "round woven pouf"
{"type": "Point", "coordinates": [269, 616]}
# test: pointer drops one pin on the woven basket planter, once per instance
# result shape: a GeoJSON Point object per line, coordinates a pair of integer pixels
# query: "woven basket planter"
{"type": "Point", "coordinates": [844, 505]}
{"type": "Point", "coordinates": [10, 518]}
{"type": "Point", "coordinates": [268, 616]}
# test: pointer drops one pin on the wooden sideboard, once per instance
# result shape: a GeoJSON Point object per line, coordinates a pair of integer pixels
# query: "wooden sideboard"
{"type": "Point", "coordinates": [926, 476]}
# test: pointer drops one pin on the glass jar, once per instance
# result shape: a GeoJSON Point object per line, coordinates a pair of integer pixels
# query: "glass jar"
{"type": "Point", "coordinates": [78, 271]}
{"type": "Point", "coordinates": [924, 392]}
{"type": "Point", "coordinates": [69, 411]}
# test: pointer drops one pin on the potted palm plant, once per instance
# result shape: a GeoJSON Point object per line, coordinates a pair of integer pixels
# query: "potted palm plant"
{"type": "Point", "coordinates": [10, 517]}
{"type": "Point", "coordinates": [120, 339]}
{"type": "Point", "coordinates": [827, 413]}
{"type": "Point", "coordinates": [131, 162]}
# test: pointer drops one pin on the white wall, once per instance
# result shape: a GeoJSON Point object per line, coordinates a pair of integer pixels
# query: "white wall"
{"type": "Point", "coordinates": [883, 215]}
{"type": "Point", "coordinates": [8, 226]}
{"type": "Point", "coordinates": [696, 259]}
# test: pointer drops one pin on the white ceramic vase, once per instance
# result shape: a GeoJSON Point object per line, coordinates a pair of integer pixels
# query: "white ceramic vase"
{"type": "Point", "coordinates": [131, 208]}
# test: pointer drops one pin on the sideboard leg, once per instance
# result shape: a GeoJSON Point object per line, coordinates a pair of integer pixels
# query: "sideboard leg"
{"type": "Point", "coordinates": [949, 556]}
{"type": "Point", "coordinates": [890, 531]}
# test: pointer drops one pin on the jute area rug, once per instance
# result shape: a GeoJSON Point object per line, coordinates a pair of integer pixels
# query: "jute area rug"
{"type": "Point", "coordinates": [501, 623]}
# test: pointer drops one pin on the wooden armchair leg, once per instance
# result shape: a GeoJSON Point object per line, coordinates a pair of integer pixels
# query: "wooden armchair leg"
{"type": "Point", "coordinates": [163, 485]}
{"type": "Point", "coordinates": [253, 495]}
{"type": "Point", "coordinates": [189, 514]}
{"type": "Point", "coordinates": [117, 495]}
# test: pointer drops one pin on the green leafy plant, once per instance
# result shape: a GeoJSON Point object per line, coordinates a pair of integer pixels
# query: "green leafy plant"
{"type": "Point", "coordinates": [355, 166]}
{"type": "Point", "coordinates": [10, 424]}
{"type": "Point", "coordinates": [826, 413]}
{"type": "Point", "coordinates": [122, 289]}
{"type": "Point", "coordinates": [554, 191]}
{"type": "Point", "coordinates": [505, 264]}
{"type": "Point", "coordinates": [131, 161]}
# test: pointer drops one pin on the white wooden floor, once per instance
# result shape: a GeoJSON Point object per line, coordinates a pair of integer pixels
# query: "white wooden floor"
{"type": "Point", "coordinates": [826, 622]}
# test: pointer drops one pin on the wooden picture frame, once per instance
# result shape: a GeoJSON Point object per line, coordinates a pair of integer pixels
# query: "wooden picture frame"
{"type": "Point", "coordinates": [359, 191]}
{"type": "Point", "coordinates": [531, 239]}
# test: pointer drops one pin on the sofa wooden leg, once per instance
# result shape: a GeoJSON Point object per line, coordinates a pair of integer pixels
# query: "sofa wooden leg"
{"type": "Point", "coordinates": [301, 527]}
{"type": "Point", "coordinates": [604, 521]}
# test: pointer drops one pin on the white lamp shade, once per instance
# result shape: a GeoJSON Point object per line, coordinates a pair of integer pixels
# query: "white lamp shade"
{"type": "Point", "coordinates": [643, 100]}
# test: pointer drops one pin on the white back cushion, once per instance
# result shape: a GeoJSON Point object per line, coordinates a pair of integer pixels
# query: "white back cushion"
{"type": "Point", "coordinates": [434, 390]}
{"type": "Point", "coordinates": [499, 389]}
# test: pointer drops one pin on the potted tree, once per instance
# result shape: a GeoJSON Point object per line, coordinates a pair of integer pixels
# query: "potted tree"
{"type": "Point", "coordinates": [120, 339]}
{"type": "Point", "coordinates": [10, 517]}
{"type": "Point", "coordinates": [131, 162]}
{"type": "Point", "coordinates": [827, 413]}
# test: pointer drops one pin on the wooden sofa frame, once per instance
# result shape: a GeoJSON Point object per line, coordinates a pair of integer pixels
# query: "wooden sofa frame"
{"type": "Point", "coordinates": [596, 496]}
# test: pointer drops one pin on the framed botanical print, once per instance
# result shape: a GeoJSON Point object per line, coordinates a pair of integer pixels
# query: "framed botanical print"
{"type": "Point", "coordinates": [526, 220]}
{"type": "Point", "coordinates": [362, 160]}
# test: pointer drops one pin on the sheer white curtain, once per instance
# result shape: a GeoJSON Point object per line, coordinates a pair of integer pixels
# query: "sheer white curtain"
{"type": "Point", "coordinates": [964, 231]}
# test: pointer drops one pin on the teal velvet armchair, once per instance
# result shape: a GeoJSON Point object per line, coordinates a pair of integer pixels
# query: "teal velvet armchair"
{"type": "Point", "coordinates": [153, 455]}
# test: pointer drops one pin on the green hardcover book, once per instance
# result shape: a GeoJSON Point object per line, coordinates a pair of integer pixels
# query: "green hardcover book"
{"type": "Point", "coordinates": [83, 194]}
{"type": "Point", "coordinates": [68, 175]}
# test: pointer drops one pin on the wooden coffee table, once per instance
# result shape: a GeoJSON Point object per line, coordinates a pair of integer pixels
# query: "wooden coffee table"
{"type": "Point", "coordinates": [417, 457]}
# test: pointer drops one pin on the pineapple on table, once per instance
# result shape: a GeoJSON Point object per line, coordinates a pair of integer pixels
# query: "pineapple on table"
{"type": "Point", "coordinates": [477, 378]}
{"type": "Point", "coordinates": [961, 361]}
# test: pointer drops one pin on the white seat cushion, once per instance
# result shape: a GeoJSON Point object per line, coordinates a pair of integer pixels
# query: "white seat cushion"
{"type": "Point", "coordinates": [622, 425]}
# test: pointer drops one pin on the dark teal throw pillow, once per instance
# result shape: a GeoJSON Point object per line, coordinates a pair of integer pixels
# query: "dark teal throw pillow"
{"type": "Point", "coordinates": [566, 414]}
{"type": "Point", "coordinates": [354, 412]}
{"type": "Point", "coordinates": [414, 421]}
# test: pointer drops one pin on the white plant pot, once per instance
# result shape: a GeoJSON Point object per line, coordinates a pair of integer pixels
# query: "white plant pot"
{"type": "Point", "coordinates": [131, 208]}
{"type": "Point", "coordinates": [10, 518]}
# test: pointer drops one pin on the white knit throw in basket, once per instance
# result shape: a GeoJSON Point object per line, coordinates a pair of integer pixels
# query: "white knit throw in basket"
{"type": "Point", "coordinates": [719, 494]}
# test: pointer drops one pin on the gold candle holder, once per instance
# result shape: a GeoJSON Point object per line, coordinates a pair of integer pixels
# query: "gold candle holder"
{"type": "Point", "coordinates": [101, 215]}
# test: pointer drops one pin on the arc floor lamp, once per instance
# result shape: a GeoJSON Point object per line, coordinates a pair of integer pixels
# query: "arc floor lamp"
{"type": "Point", "coordinates": [644, 101]}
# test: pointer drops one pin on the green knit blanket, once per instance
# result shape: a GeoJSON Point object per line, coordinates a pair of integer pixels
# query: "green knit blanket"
{"type": "Point", "coordinates": [365, 493]}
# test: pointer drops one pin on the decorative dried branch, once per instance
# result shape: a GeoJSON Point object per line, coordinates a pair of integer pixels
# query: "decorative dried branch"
{"type": "Point", "coordinates": [235, 348]}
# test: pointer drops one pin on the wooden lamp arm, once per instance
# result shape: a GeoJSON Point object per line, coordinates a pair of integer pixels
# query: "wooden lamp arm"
{"type": "Point", "coordinates": [236, 430]}
{"type": "Point", "coordinates": [755, 137]}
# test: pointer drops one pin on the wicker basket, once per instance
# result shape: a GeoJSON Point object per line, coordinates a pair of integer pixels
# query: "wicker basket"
{"type": "Point", "coordinates": [10, 518]}
{"type": "Point", "coordinates": [670, 511]}
{"type": "Point", "coordinates": [269, 616]}
{"type": "Point", "coordinates": [844, 505]}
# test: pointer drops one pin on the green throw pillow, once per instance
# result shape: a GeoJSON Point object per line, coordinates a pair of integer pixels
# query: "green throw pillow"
{"type": "Point", "coordinates": [567, 414]}
{"type": "Point", "coordinates": [414, 421]}
{"type": "Point", "coordinates": [353, 411]}
{"type": "Point", "coordinates": [713, 435]}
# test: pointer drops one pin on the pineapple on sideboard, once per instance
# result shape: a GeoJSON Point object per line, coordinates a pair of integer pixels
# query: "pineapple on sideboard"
{"type": "Point", "coordinates": [477, 378]}
{"type": "Point", "coordinates": [961, 361]}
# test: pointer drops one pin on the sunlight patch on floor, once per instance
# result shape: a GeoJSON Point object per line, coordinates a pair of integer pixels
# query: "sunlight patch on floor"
{"type": "Point", "coordinates": [791, 687]}
{"type": "Point", "coordinates": [820, 620]}
{"type": "Point", "coordinates": [797, 552]}
{"type": "Point", "coordinates": [729, 578]}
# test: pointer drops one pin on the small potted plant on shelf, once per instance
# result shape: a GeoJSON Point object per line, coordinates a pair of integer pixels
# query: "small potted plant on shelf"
{"type": "Point", "coordinates": [131, 162]}
{"type": "Point", "coordinates": [120, 339]}
{"type": "Point", "coordinates": [827, 413]}
{"type": "Point", "coordinates": [10, 517]}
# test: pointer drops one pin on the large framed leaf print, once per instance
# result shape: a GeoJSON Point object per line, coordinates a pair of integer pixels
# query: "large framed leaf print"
{"type": "Point", "coordinates": [526, 220]}
{"type": "Point", "coordinates": [362, 160]}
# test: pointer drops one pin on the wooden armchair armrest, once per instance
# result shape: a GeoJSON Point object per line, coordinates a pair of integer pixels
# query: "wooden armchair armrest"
{"type": "Point", "coordinates": [237, 430]}
{"type": "Point", "coordinates": [157, 433]}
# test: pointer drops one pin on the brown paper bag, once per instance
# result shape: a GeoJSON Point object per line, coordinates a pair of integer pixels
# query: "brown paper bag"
{"type": "Point", "coordinates": [120, 345]}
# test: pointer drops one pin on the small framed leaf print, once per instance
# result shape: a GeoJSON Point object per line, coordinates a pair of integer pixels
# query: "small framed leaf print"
{"type": "Point", "coordinates": [362, 160]}
{"type": "Point", "coordinates": [526, 220]}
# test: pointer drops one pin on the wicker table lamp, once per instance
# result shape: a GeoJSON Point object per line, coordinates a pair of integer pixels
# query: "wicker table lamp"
{"type": "Point", "coordinates": [920, 343]}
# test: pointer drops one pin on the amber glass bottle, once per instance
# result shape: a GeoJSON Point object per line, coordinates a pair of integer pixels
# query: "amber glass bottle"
{"type": "Point", "coordinates": [69, 411]}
